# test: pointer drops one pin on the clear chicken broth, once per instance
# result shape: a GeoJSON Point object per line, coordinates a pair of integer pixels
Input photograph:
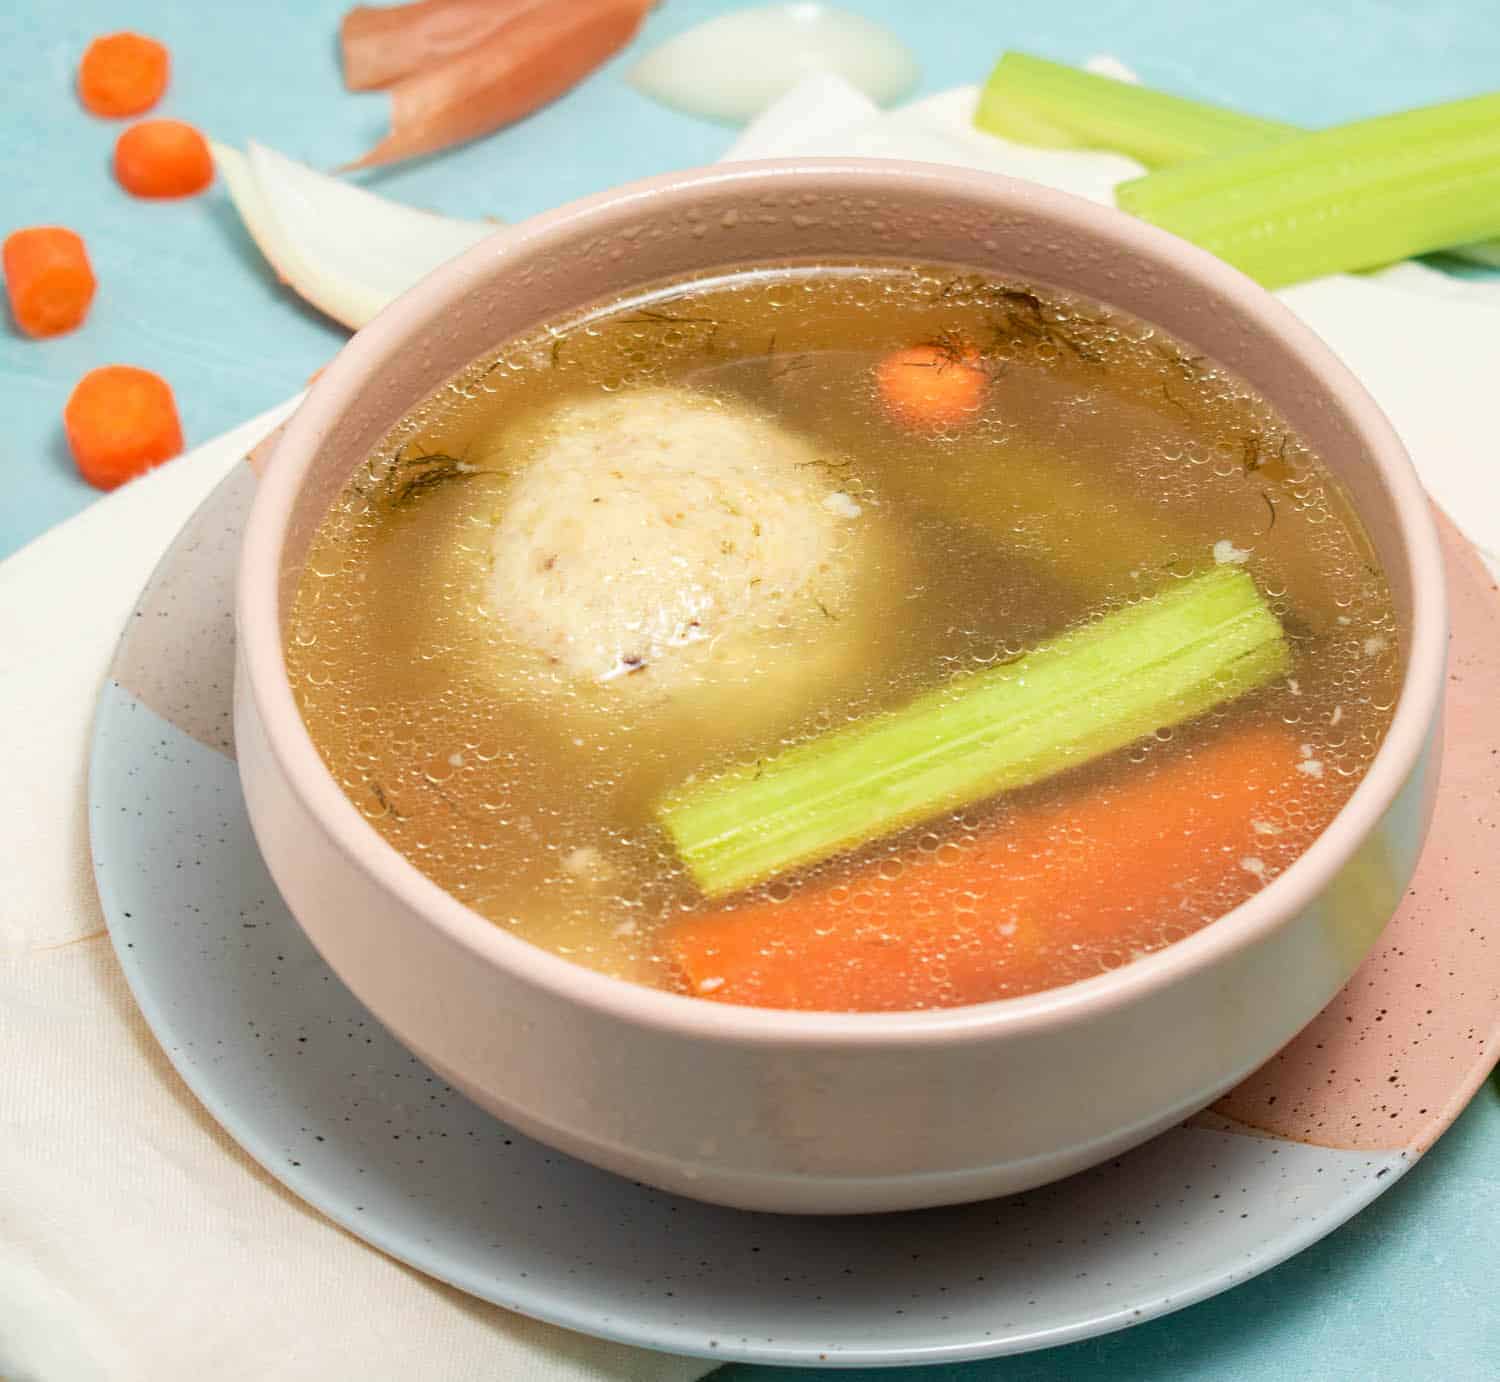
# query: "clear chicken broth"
{"type": "Point", "coordinates": [518, 759]}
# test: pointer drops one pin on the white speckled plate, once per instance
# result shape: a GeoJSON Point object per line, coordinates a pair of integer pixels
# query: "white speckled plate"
{"type": "Point", "coordinates": [315, 1089]}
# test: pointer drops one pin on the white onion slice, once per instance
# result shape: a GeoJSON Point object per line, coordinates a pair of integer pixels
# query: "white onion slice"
{"type": "Point", "coordinates": [347, 251]}
{"type": "Point", "coordinates": [824, 102]}
{"type": "Point", "coordinates": [733, 67]}
{"type": "Point", "coordinates": [940, 129]}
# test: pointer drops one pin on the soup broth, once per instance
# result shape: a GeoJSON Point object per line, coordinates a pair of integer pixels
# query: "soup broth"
{"type": "Point", "coordinates": [678, 535]}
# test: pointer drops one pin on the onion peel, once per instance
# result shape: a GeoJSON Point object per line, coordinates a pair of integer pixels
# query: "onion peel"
{"type": "Point", "coordinates": [344, 249]}
{"type": "Point", "coordinates": [380, 44]}
{"type": "Point", "coordinates": [527, 62]}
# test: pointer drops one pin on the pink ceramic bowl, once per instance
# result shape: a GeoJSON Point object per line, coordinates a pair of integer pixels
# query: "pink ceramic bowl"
{"type": "Point", "coordinates": [825, 1112]}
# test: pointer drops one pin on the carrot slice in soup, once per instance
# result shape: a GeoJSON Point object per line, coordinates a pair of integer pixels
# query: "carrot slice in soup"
{"type": "Point", "coordinates": [969, 925]}
{"type": "Point", "coordinates": [531, 59]}
{"type": "Point", "coordinates": [930, 388]}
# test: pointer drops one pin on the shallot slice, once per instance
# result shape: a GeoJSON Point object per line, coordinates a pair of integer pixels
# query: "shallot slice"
{"type": "Point", "coordinates": [733, 67]}
{"type": "Point", "coordinates": [530, 59]}
{"type": "Point", "coordinates": [381, 44]}
{"type": "Point", "coordinates": [345, 250]}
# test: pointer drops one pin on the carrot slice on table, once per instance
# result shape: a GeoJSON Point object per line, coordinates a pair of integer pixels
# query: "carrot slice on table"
{"type": "Point", "coordinates": [384, 43]}
{"type": "Point", "coordinates": [928, 388]}
{"type": "Point", "coordinates": [48, 279]}
{"type": "Point", "coordinates": [531, 59]}
{"type": "Point", "coordinates": [121, 421]}
{"type": "Point", "coordinates": [122, 74]}
{"type": "Point", "coordinates": [163, 158]}
{"type": "Point", "coordinates": [976, 926]}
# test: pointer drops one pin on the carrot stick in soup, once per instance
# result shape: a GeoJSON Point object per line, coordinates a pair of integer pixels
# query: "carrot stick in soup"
{"type": "Point", "coordinates": [525, 63]}
{"type": "Point", "coordinates": [383, 43]}
{"type": "Point", "coordinates": [967, 925]}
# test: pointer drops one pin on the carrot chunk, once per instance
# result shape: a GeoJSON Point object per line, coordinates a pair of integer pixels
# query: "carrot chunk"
{"type": "Point", "coordinates": [121, 421]}
{"type": "Point", "coordinates": [163, 158]}
{"type": "Point", "coordinates": [122, 74]}
{"type": "Point", "coordinates": [930, 388]}
{"type": "Point", "coordinates": [48, 279]}
{"type": "Point", "coordinates": [970, 925]}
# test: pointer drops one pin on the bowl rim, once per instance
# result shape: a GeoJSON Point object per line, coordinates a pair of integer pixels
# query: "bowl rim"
{"type": "Point", "coordinates": [261, 662]}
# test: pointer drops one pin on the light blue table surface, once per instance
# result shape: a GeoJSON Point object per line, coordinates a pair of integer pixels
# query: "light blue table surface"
{"type": "Point", "coordinates": [1411, 1288]}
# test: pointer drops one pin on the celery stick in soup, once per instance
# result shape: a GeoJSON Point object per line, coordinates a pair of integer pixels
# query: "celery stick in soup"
{"type": "Point", "coordinates": [815, 622]}
{"type": "Point", "coordinates": [1099, 687]}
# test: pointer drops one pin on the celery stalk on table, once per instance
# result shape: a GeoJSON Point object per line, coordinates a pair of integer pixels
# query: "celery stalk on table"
{"type": "Point", "coordinates": [1032, 100]}
{"type": "Point", "coordinates": [1097, 688]}
{"type": "Point", "coordinates": [1351, 197]}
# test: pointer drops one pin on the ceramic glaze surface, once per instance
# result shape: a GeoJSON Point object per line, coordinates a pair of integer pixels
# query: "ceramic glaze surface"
{"type": "Point", "coordinates": [319, 1092]}
{"type": "Point", "coordinates": [829, 1112]}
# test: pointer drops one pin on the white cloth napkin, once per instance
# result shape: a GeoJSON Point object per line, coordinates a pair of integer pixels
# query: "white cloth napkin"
{"type": "Point", "coordinates": [136, 1240]}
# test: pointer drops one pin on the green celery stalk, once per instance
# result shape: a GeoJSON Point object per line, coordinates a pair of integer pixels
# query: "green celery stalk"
{"type": "Point", "coordinates": [1032, 100]}
{"type": "Point", "coordinates": [1351, 197]}
{"type": "Point", "coordinates": [1096, 688]}
{"type": "Point", "coordinates": [1485, 252]}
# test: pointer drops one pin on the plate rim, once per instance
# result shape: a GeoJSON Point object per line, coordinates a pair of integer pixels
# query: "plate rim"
{"type": "Point", "coordinates": [539, 1303]}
